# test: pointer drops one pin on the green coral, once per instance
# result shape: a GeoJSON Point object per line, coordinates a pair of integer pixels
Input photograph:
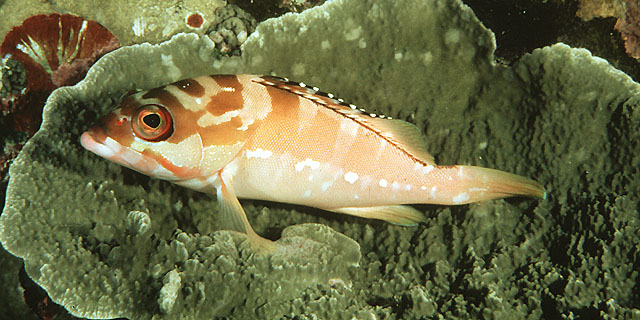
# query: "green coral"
{"type": "Point", "coordinates": [107, 242]}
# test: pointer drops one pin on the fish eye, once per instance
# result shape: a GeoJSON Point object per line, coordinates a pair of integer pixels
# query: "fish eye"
{"type": "Point", "coordinates": [153, 122]}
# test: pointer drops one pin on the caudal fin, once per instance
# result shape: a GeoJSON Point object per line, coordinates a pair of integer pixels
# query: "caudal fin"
{"type": "Point", "coordinates": [477, 184]}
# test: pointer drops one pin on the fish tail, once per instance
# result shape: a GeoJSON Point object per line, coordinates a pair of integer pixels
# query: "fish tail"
{"type": "Point", "coordinates": [477, 184]}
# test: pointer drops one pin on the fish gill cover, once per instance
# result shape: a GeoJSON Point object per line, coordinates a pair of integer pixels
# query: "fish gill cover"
{"type": "Point", "coordinates": [106, 242]}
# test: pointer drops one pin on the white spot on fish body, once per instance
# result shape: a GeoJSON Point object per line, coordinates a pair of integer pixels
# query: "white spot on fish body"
{"type": "Point", "coordinates": [198, 100]}
{"type": "Point", "coordinates": [350, 128]}
{"type": "Point", "coordinates": [461, 197]}
{"type": "Point", "coordinates": [423, 188]}
{"type": "Point", "coordinates": [326, 185]}
{"type": "Point", "coordinates": [432, 193]}
{"type": "Point", "coordinates": [306, 194]}
{"type": "Point", "coordinates": [355, 196]}
{"type": "Point", "coordinates": [308, 162]}
{"type": "Point", "coordinates": [351, 177]}
{"type": "Point", "coordinates": [383, 183]}
{"type": "Point", "coordinates": [259, 153]}
{"type": "Point", "coordinates": [427, 169]}
{"type": "Point", "coordinates": [228, 89]}
{"type": "Point", "coordinates": [395, 186]}
{"type": "Point", "coordinates": [407, 187]}
{"type": "Point", "coordinates": [365, 181]}
{"type": "Point", "coordinates": [246, 125]}
{"type": "Point", "coordinates": [208, 119]}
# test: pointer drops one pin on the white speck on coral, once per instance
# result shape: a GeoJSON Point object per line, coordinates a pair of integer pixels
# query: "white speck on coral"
{"type": "Point", "coordinates": [173, 71]}
{"type": "Point", "coordinates": [138, 27]}
{"type": "Point", "coordinates": [427, 58]}
{"type": "Point", "coordinates": [298, 69]}
{"type": "Point", "coordinates": [325, 45]}
{"type": "Point", "coordinates": [452, 36]}
{"type": "Point", "coordinates": [398, 56]}
{"type": "Point", "coordinates": [353, 34]}
{"type": "Point", "coordinates": [169, 291]}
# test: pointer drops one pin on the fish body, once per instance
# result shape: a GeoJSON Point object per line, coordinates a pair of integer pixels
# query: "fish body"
{"type": "Point", "coordinates": [261, 137]}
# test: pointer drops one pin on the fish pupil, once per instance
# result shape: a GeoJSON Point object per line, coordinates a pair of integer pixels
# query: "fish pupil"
{"type": "Point", "coordinates": [152, 120]}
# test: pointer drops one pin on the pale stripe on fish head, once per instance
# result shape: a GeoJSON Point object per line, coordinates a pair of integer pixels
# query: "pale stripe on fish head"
{"type": "Point", "coordinates": [189, 129]}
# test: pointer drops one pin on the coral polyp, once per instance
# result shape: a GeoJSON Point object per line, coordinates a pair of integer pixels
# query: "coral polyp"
{"type": "Point", "coordinates": [56, 48]}
{"type": "Point", "coordinates": [52, 50]}
{"type": "Point", "coordinates": [41, 54]}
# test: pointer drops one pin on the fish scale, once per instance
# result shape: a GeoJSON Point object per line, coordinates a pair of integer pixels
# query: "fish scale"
{"type": "Point", "coordinates": [268, 138]}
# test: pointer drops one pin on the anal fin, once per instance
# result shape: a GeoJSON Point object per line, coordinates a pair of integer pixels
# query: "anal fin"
{"type": "Point", "coordinates": [396, 214]}
{"type": "Point", "coordinates": [233, 214]}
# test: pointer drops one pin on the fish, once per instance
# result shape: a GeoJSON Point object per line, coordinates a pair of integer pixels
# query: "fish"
{"type": "Point", "coordinates": [269, 138]}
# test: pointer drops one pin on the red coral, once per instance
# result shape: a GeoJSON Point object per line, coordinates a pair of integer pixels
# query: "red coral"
{"type": "Point", "coordinates": [55, 50]}
{"type": "Point", "coordinates": [48, 51]}
{"type": "Point", "coordinates": [629, 27]}
{"type": "Point", "coordinates": [195, 20]}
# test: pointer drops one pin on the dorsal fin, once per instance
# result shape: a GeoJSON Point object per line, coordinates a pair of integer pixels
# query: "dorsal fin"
{"type": "Point", "coordinates": [405, 136]}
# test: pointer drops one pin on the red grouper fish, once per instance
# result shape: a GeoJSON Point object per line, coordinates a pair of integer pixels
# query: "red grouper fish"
{"type": "Point", "coordinates": [245, 136]}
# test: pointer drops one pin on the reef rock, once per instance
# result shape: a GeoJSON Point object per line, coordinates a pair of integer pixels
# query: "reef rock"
{"type": "Point", "coordinates": [107, 242]}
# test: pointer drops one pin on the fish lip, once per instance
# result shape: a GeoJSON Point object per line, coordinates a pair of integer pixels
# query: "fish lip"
{"type": "Point", "coordinates": [97, 141]}
{"type": "Point", "coordinates": [94, 140]}
{"type": "Point", "coordinates": [92, 136]}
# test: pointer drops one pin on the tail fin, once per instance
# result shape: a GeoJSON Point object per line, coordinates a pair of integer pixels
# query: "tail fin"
{"type": "Point", "coordinates": [478, 184]}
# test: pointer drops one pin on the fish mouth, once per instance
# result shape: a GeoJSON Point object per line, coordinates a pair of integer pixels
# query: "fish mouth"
{"type": "Point", "coordinates": [97, 141]}
{"type": "Point", "coordinates": [94, 141]}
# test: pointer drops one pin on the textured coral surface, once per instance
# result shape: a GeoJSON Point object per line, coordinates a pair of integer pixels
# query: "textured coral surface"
{"type": "Point", "coordinates": [107, 242]}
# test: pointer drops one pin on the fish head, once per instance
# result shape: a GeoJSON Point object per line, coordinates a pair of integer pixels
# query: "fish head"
{"type": "Point", "coordinates": [156, 132]}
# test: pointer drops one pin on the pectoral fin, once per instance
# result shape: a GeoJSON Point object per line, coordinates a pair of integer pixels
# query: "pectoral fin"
{"type": "Point", "coordinates": [396, 214]}
{"type": "Point", "coordinates": [232, 213]}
